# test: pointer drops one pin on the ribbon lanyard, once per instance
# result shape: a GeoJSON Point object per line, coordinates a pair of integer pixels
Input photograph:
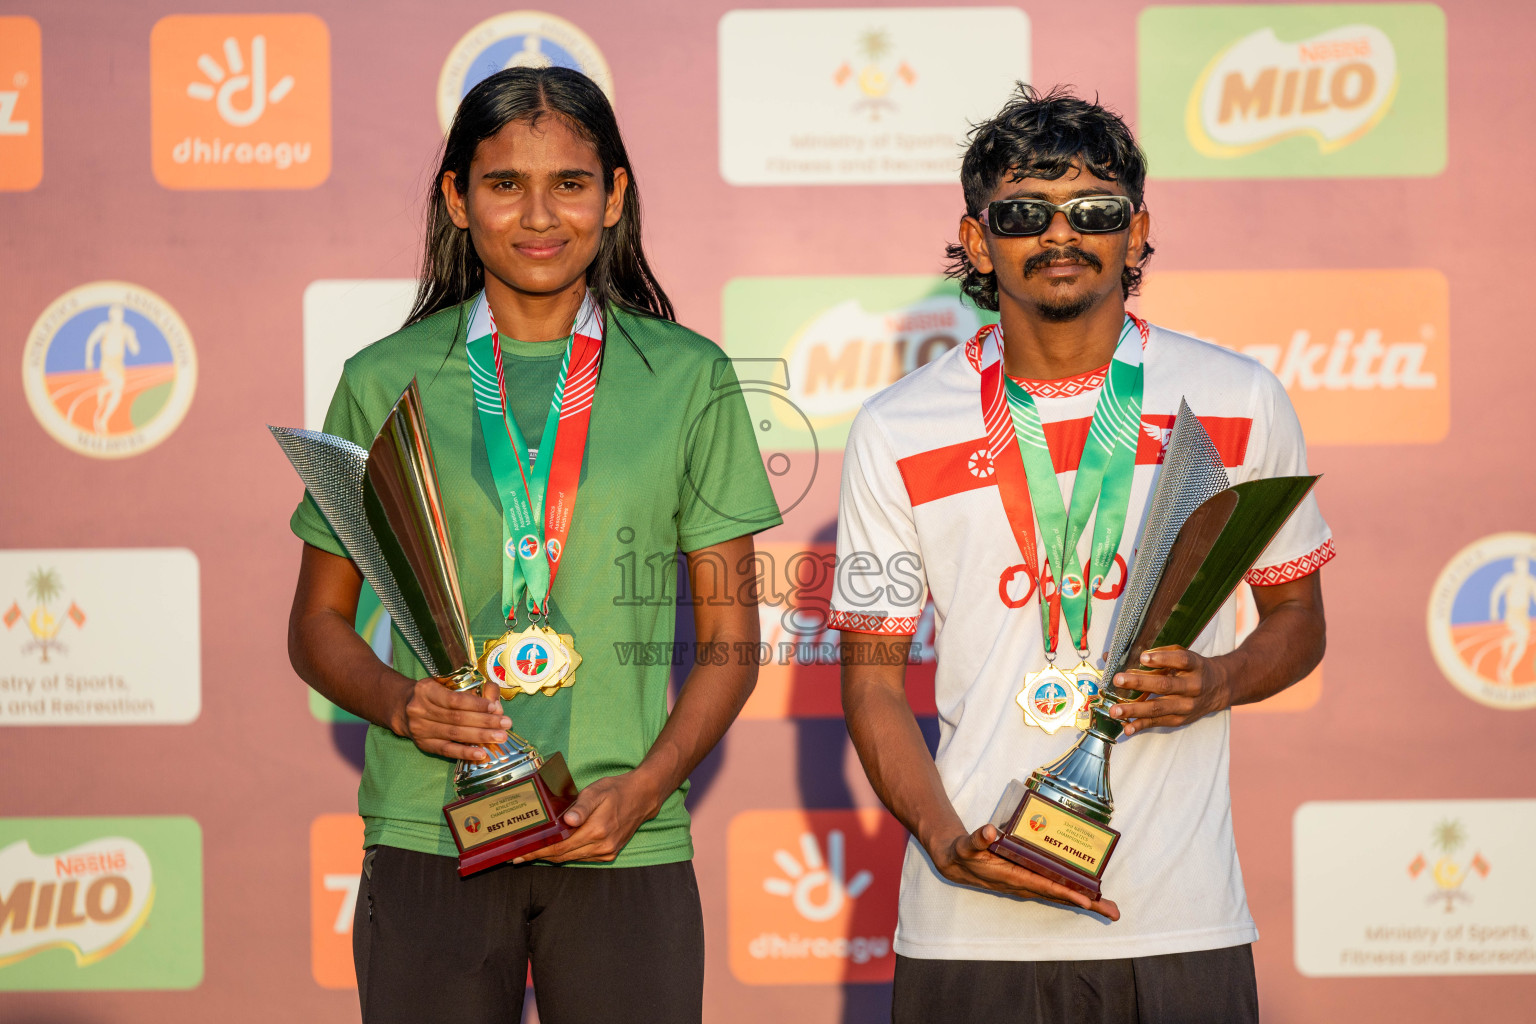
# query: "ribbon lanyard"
{"type": "Point", "coordinates": [537, 488]}
{"type": "Point", "coordinates": [1027, 479]}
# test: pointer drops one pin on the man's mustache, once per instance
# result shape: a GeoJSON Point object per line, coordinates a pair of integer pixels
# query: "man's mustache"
{"type": "Point", "coordinates": [1065, 253]}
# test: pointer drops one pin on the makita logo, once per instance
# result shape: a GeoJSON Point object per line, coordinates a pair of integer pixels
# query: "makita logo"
{"type": "Point", "coordinates": [1334, 86]}
{"type": "Point", "coordinates": [1350, 362]}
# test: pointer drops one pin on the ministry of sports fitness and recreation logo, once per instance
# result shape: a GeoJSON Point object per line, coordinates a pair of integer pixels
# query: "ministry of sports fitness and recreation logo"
{"type": "Point", "coordinates": [1269, 90]}
{"type": "Point", "coordinates": [1364, 354]}
{"type": "Point", "coordinates": [100, 903]}
{"type": "Point", "coordinates": [813, 895]}
{"type": "Point", "coordinates": [1482, 621]}
{"type": "Point", "coordinates": [44, 614]}
{"type": "Point", "coordinates": [875, 76]}
{"type": "Point", "coordinates": [240, 101]}
{"type": "Point", "coordinates": [21, 103]}
{"type": "Point", "coordinates": [109, 369]}
{"type": "Point", "coordinates": [1446, 866]}
{"type": "Point", "coordinates": [521, 39]}
{"type": "Point", "coordinates": [1414, 887]}
{"type": "Point", "coordinates": [860, 95]}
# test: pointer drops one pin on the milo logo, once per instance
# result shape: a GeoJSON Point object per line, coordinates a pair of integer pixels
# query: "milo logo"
{"type": "Point", "coordinates": [835, 341]}
{"type": "Point", "coordinates": [91, 899]}
{"type": "Point", "coordinates": [100, 903]}
{"type": "Point", "coordinates": [1292, 90]}
{"type": "Point", "coordinates": [849, 352]}
{"type": "Point", "coordinates": [1333, 86]}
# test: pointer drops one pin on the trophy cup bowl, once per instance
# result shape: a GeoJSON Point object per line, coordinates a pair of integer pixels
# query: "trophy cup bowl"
{"type": "Point", "coordinates": [1201, 536]}
{"type": "Point", "coordinates": [386, 508]}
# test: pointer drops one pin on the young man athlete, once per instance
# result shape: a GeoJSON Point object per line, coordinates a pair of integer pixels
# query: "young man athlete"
{"type": "Point", "coordinates": [1054, 238]}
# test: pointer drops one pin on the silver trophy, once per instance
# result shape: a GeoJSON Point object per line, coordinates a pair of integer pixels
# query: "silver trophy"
{"type": "Point", "coordinates": [1201, 536]}
{"type": "Point", "coordinates": [385, 506]}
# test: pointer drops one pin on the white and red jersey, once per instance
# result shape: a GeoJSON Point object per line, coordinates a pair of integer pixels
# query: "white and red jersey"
{"type": "Point", "coordinates": [921, 514]}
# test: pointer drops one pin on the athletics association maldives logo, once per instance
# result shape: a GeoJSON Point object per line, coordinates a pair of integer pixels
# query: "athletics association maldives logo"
{"type": "Point", "coordinates": [43, 622]}
{"type": "Point", "coordinates": [531, 661]}
{"type": "Point", "coordinates": [1051, 701]}
{"type": "Point", "coordinates": [531, 39]}
{"type": "Point", "coordinates": [1481, 617]}
{"type": "Point", "coordinates": [109, 369]}
{"type": "Point", "coordinates": [528, 546]}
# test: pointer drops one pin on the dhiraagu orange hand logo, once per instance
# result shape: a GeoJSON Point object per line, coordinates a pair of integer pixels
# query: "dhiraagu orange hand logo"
{"type": "Point", "coordinates": [240, 101]}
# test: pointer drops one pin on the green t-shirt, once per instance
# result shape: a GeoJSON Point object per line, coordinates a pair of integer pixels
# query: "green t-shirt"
{"type": "Point", "coordinates": [671, 464]}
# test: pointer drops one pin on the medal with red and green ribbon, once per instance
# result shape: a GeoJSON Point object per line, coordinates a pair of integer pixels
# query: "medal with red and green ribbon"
{"type": "Point", "coordinates": [1026, 479]}
{"type": "Point", "coordinates": [537, 488]}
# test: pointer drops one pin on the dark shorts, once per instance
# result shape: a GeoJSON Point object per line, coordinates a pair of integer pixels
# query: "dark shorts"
{"type": "Point", "coordinates": [1212, 986]}
{"type": "Point", "coordinates": [606, 944]}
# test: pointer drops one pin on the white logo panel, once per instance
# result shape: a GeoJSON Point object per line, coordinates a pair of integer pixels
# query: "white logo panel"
{"type": "Point", "coordinates": [1415, 887]}
{"type": "Point", "coordinates": [100, 637]}
{"type": "Point", "coordinates": [861, 95]}
{"type": "Point", "coordinates": [341, 318]}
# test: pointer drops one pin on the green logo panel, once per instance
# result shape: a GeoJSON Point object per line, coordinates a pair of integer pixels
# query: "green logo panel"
{"type": "Point", "coordinates": [100, 903]}
{"type": "Point", "coordinates": [810, 350]}
{"type": "Point", "coordinates": [1293, 91]}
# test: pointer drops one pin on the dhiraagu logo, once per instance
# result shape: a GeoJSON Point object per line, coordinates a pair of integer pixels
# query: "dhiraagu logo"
{"type": "Point", "coordinates": [100, 903]}
{"type": "Point", "coordinates": [1310, 90]}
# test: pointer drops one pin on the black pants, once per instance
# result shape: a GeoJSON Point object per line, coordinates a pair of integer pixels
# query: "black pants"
{"type": "Point", "coordinates": [1213, 986]}
{"type": "Point", "coordinates": [606, 944]}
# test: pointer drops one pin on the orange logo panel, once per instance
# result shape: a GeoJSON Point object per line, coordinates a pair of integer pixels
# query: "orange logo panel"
{"type": "Point", "coordinates": [1364, 354]}
{"type": "Point", "coordinates": [335, 871]}
{"type": "Point", "coordinates": [799, 674]}
{"type": "Point", "coordinates": [813, 896]}
{"type": "Point", "coordinates": [21, 104]}
{"type": "Point", "coordinates": [240, 101]}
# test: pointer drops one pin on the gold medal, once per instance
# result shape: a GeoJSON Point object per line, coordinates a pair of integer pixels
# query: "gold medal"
{"type": "Point", "coordinates": [1050, 699]}
{"type": "Point", "coordinates": [1089, 680]}
{"type": "Point", "coordinates": [528, 661]}
{"type": "Point", "coordinates": [569, 679]}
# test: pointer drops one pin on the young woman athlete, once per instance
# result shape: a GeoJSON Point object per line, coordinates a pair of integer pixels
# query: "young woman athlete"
{"type": "Point", "coordinates": [534, 285]}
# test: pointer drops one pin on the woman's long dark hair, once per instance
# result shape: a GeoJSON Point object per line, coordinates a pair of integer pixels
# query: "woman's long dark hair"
{"type": "Point", "coordinates": [451, 272]}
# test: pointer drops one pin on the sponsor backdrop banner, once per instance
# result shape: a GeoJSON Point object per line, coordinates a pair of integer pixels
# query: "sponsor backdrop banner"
{"type": "Point", "coordinates": [209, 207]}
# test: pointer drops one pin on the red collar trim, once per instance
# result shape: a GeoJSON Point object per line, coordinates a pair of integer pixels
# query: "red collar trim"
{"type": "Point", "coordinates": [1066, 387]}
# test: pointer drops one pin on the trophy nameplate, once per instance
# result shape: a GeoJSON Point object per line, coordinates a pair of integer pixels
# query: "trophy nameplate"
{"type": "Point", "coordinates": [511, 821]}
{"type": "Point", "coordinates": [1041, 835]}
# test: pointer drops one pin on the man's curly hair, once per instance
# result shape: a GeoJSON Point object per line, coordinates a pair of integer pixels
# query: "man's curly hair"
{"type": "Point", "coordinates": [1040, 136]}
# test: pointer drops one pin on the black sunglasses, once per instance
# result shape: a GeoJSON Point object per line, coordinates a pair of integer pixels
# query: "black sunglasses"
{"type": "Point", "coordinates": [1091, 215]}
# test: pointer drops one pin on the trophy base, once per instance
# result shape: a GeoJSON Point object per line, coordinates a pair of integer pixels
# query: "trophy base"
{"type": "Point", "coordinates": [1042, 836]}
{"type": "Point", "coordinates": [514, 820]}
